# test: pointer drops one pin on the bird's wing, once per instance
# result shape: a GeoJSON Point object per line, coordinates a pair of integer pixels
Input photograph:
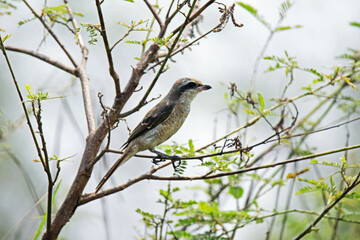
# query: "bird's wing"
{"type": "Point", "coordinates": [152, 119]}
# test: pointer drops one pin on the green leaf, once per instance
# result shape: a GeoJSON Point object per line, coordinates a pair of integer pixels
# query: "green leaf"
{"type": "Point", "coordinates": [249, 8]}
{"type": "Point", "coordinates": [284, 28]}
{"type": "Point", "coordinates": [261, 101]}
{"type": "Point", "coordinates": [353, 195]}
{"type": "Point", "coordinates": [314, 161]}
{"type": "Point", "coordinates": [315, 72]}
{"type": "Point", "coordinates": [307, 189]}
{"type": "Point", "coordinates": [191, 147]}
{"type": "Point", "coordinates": [237, 192]}
{"type": "Point", "coordinates": [355, 24]}
{"type": "Point", "coordinates": [133, 42]}
{"type": "Point", "coordinates": [284, 7]}
{"type": "Point", "coordinates": [343, 160]}
{"type": "Point", "coordinates": [332, 183]}
{"type": "Point", "coordinates": [254, 12]}
{"type": "Point", "coordinates": [249, 111]}
{"type": "Point", "coordinates": [6, 37]}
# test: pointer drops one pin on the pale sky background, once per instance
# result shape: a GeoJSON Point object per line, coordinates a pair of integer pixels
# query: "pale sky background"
{"type": "Point", "coordinates": [221, 58]}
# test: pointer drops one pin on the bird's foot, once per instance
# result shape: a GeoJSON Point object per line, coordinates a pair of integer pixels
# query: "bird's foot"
{"type": "Point", "coordinates": [161, 157]}
{"type": "Point", "coordinates": [175, 159]}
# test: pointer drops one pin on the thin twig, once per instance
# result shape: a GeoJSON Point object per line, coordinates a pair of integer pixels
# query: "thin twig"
{"type": "Point", "coordinates": [85, 198]}
{"type": "Point", "coordinates": [149, 175]}
{"type": "Point", "coordinates": [103, 33]}
{"type": "Point", "coordinates": [257, 118]}
{"type": "Point", "coordinates": [37, 114]}
{"type": "Point", "coordinates": [186, 46]}
{"type": "Point", "coordinates": [85, 85]}
{"type": "Point", "coordinates": [37, 146]}
{"type": "Point", "coordinates": [44, 58]}
{"type": "Point", "coordinates": [195, 15]}
{"type": "Point", "coordinates": [62, 46]}
{"type": "Point", "coordinates": [267, 140]}
{"type": "Point", "coordinates": [154, 13]}
{"type": "Point", "coordinates": [104, 113]}
{"type": "Point", "coordinates": [329, 207]}
{"type": "Point", "coordinates": [160, 71]}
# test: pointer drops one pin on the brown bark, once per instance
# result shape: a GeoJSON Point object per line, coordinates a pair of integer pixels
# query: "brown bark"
{"type": "Point", "coordinates": [93, 143]}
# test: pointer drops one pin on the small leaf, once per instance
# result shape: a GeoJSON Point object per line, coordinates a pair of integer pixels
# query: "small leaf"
{"type": "Point", "coordinates": [348, 81]}
{"type": "Point", "coordinates": [284, 28]}
{"type": "Point", "coordinates": [133, 42]}
{"type": "Point", "coordinates": [261, 101]}
{"type": "Point", "coordinates": [237, 192]}
{"type": "Point", "coordinates": [249, 8]}
{"type": "Point", "coordinates": [332, 183]}
{"type": "Point", "coordinates": [6, 37]}
{"type": "Point", "coordinates": [295, 174]}
{"type": "Point", "coordinates": [254, 12]}
{"type": "Point", "coordinates": [355, 24]}
{"type": "Point", "coordinates": [343, 160]}
{"type": "Point", "coordinates": [191, 147]}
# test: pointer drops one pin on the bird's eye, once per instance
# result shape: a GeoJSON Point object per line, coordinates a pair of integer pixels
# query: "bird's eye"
{"type": "Point", "coordinates": [191, 85]}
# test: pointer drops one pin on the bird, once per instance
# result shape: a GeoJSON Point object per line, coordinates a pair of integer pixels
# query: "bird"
{"type": "Point", "coordinates": [160, 123]}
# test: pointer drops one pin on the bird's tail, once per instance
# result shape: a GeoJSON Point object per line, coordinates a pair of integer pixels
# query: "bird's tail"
{"type": "Point", "coordinates": [126, 156]}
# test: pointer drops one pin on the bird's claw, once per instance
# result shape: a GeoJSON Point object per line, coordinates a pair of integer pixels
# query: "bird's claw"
{"type": "Point", "coordinates": [156, 161]}
{"type": "Point", "coordinates": [173, 160]}
{"type": "Point", "coordinates": [162, 157]}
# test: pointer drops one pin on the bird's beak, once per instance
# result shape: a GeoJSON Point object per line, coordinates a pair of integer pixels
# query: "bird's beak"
{"type": "Point", "coordinates": [204, 87]}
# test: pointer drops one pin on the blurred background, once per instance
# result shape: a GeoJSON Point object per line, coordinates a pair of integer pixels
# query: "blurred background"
{"type": "Point", "coordinates": [221, 58]}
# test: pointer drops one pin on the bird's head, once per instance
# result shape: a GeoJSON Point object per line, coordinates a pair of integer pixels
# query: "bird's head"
{"type": "Point", "coordinates": [186, 89]}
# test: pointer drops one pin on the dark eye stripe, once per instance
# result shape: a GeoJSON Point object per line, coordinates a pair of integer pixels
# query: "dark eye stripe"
{"type": "Point", "coordinates": [190, 85]}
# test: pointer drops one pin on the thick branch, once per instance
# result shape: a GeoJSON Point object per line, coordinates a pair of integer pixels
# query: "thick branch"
{"type": "Point", "coordinates": [93, 143]}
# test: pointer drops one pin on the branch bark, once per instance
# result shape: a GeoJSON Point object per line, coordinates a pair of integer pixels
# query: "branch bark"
{"type": "Point", "coordinates": [44, 58]}
{"type": "Point", "coordinates": [149, 175]}
{"type": "Point", "coordinates": [62, 46]}
{"type": "Point", "coordinates": [93, 143]}
{"type": "Point", "coordinates": [112, 71]}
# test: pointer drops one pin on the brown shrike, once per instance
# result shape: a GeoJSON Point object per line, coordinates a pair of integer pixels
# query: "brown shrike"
{"type": "Point", "coordinates": [161, 122]}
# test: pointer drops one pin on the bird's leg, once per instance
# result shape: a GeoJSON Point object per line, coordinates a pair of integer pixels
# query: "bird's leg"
{"type": "Point", "coordinates": [164, 156]}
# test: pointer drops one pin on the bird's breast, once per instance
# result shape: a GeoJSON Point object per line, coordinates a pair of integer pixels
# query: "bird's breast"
{"type": "Point", "coordinates": [166, 129]}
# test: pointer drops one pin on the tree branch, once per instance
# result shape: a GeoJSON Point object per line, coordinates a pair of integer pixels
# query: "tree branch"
{"type": "Point", "coordinates": [328, 208]}
{"type": "Point", "coordinates": [156, 16]}
{"type": "Point", "coordinates": [85, 84]}
{"type": "Point", "coordinates": [103, 33]}
{"type": "Point", "coordinates": [195, 15]}
{"type": "Point", "coordinates": [255, 119]}
{"type": "Point", "coordinates": [93, 196]}
{"type": "Point", "coordinates": [149, 175]}
{"type": "Point", "coordinates": [44, 58]}
{"type": "Point", "coordinates": [160, 71]}
{"type": "Point", "coordinates": [93, 143]}
{"type": "Point", "coordinates": [52, 34]}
